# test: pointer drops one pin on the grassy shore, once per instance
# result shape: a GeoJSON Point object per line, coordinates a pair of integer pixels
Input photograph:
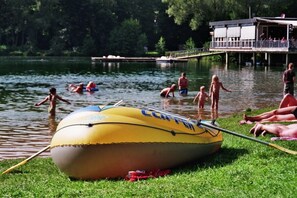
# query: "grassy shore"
{"type": "Point", "coordinates": [242, 168]}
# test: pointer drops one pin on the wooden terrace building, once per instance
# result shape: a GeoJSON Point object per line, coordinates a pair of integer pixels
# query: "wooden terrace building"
{"type": "Point", "coordinates": [258, 40]}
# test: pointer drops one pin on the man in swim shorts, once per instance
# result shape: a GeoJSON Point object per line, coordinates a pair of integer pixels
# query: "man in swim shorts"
{"type": "Point", "coordinates": [289, 79]}
{"type": "Point", "coordinates": [183, 84]}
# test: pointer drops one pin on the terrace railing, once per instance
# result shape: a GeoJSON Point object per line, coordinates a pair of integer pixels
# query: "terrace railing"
{"type": "Point", "coordinates": [187, 53]}
{"type": "Point", "coordinates": [292, 44]}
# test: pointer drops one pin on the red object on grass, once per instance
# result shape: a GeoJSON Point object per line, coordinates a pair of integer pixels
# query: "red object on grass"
{"type": "Point", "coordinates": [140, 174]}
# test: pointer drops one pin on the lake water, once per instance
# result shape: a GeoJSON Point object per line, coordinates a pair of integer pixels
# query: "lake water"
{"type": "Point", "coordinates": [25, 129]}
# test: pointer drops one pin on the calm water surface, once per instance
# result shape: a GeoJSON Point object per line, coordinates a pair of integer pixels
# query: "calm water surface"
{"type": "Point", "coordinates": [25, 129]}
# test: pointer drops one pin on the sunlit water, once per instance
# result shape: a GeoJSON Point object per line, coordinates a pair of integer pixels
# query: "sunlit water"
{"type": "Point", "coordinates": [25, 129]}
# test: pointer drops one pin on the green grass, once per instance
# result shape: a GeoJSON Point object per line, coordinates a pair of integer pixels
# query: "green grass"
{"type": "Point", "coordinates": [242, 168]}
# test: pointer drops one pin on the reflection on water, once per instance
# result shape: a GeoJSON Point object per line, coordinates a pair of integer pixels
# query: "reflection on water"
{"type": "Point", "coordinates": [52, 124]}
{"type": "Point", "coordinates": [25, 129]}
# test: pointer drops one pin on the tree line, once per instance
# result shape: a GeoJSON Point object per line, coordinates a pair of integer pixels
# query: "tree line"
{"type": "Point", "coordinates": [119, 27]}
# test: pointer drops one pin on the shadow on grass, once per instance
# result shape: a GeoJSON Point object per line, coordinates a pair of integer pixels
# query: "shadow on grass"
{"type": "Point", "coordinates": [224, 157]}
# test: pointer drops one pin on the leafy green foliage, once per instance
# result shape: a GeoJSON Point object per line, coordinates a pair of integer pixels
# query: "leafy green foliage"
{"type": "Point", "coordinates": [190, 44]}
{"type": "Point", "coordinates": [38, 26]}
{"type": "Point", "coordinates": [127, 39]}
{"type": "Point", "coordinates": [196, 12]}
{"type": "Point", "coordinates": [161, 46]}
{"type": "Point", "coordinates": [89, 46]}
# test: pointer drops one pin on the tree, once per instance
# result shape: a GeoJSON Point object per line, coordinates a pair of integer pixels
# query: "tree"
{"type": "Point", "coordinates": [197, 12]}
{"type": "Point", "coordinates": [89, 48]}
{"type": "Point", "coordinates": [65, 25]}
{"type": "Point", "coordinates": [161, 46]}
{"type": "Point", "coordinates": [141, 46]}
{"type": "Point", "coordinates": [126, 39]}
{"type": "Point", "coordinates": [190, 44]}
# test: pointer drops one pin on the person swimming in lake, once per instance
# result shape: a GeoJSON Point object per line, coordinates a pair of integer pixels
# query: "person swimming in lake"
{"type": "Point", "coordinates": [166, 91]}
{"type": "Point", "coordinates": [90, 86]}
{"type": "Point", "coordinates": [52, 98]}
{"type": "Point", "coordinates": [76, 88]}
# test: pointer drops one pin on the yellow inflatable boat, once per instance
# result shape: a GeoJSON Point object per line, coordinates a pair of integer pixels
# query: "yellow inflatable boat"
{"type": "Point", "coordinates": [95, 143]}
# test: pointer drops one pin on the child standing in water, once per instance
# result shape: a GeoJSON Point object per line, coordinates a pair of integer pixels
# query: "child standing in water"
{"type": "Point", "coordinates": [52, 98]}
{"type": "Point", "coordinates": [202, 96]}
{"type": "Point", "coordinates": [214, 91]}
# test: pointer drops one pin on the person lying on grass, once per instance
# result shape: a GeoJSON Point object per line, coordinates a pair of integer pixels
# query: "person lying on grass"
{"type": "Point", "coordinates": [280, 130]}
{"type": "Point", "coordinates": [276, 115]}
{"type": "Point", "coordinates": [282, 114]}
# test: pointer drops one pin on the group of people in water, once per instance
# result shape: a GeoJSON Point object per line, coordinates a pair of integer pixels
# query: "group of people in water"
{"type": "Point", "coordinates": [287, 110]}
{"type": "Point", "coordinates": [53, 96]}
{"type": "Point", "coordinates": [202, 96]}
{"type": "Point", "coordinates": [80, 87]}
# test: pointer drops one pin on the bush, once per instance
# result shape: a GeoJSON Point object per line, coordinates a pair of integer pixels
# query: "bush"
{"type": "Point", "coordinates": [3, 50]}
{"type": "Point", "coordinates": [161, 46]}
{"type": "Point", "coordinates": [127, 39]}
{"type": "Point", "coordinates": [57, 46]}
{"type": "Point", "coordinates": [89, 47]}
{"type": "Point", "coordinates": [190, 44]}
{"type": "Point", "coordinates": [16, 53]}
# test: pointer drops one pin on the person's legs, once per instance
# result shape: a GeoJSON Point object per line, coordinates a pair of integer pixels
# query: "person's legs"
{"type": "Point", "coordinates": [275, 118]}
{"type": "Point", "coordinates": [271, 115]}
{"type": "Point", "coordinates": [214, 102]}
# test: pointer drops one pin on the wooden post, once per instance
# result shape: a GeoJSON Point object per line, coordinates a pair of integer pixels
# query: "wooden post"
{"type": "Point", "coordinates": [227, 58]}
